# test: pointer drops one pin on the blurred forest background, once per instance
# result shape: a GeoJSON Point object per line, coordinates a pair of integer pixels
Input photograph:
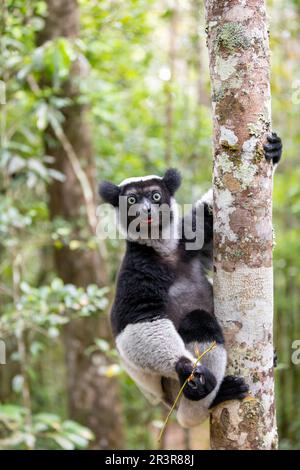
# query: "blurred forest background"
{"type": "Point", "coordinates": [94, 90]}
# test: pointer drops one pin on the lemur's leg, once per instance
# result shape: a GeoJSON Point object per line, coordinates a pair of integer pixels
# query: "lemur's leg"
{"type": "Point", "coordinates": [191, 413]}
{"type": "Point", "coordinates": [151, 350]}
{"type": "Point", "coordinates": [198, 330]}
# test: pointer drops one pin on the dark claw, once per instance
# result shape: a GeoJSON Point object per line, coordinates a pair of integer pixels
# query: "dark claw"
{"type": "Point", "coordinates": [232, 388]}
{"type": "Point", "coordinates": [231, 381]}
{"type": "Point", "coordinates": [273, 148]}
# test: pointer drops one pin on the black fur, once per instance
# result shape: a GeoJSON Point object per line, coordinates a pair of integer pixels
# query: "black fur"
{"type": "Point", "coordinates": [172, 180]}
{"type": "Point", "coordinates": [200, 385]}
{"type": "Point", "coordinates": [142, 291]}
{"type": "Point", "coordinates": [142, 287]}
{"type": "Point", "coordinates": [200, 326]}
{"type": "Point", "coordinates": [109, 192]}
{"type": "Point", "coordinates": [273, 148]}
{"type": "Point", "coordinates": [232, 388]}
{"type": "Point", "coordinates": [205, 251]}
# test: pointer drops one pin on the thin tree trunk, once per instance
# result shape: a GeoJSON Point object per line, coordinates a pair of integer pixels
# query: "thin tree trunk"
{"type": "Point", "coordinates": [94, 399]}
{"type": "Point", "coordinates": [243, 276]}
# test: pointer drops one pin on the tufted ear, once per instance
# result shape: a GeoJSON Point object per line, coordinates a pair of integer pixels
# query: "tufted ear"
{"type": "Point", "coordinates": [109, 192]}
{"type": "Point", "coordinates": [172, 179]}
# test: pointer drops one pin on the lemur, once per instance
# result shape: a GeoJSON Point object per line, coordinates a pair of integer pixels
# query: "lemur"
{"type": "Point", "coordinates": [163, 307]}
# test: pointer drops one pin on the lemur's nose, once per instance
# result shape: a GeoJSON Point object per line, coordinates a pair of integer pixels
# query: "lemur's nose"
{"type": "Point", "coordinates": [147, 210]}
{"type": "Point", "coordinates": [146, 207]}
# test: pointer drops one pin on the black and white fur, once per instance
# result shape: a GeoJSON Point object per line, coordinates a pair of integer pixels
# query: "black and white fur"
{"type": "Point", "coordinates": [163, 306]}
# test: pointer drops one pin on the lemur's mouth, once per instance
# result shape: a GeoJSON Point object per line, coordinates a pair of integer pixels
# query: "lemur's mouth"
{"type": "Point", "coordinates": [149, 220]}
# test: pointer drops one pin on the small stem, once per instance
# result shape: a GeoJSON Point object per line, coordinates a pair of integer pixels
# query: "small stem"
{"type": "Point", "coordinates": [212, 346]}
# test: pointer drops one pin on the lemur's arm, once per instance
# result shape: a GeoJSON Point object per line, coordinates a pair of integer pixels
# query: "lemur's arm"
{"type": "Point", "coordinates": [197, 229]}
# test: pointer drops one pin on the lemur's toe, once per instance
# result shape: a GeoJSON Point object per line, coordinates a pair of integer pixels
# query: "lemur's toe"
{"type": "Point", "coordinates": [232, 388]}
{"type": "Point", "coordinates": [273, 148]}
{"type": "Point", "coordinates": [184, 368]}
{"type": "Point", "coordinates": [232, 381]}
{"type": "Point", "coordinates": [202, 383]}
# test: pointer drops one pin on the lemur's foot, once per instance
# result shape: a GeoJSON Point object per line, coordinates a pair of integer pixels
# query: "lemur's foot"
{"type": "Point", "coordinates": [232, 388]}
{"type": "Point", "coordinates": [202, 383]}
{"type": "Point", "coordinates": [273, 148]}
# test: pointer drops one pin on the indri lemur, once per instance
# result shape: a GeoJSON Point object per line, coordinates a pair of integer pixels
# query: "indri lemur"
{"type": "Point", "coordinates": [163, 307]}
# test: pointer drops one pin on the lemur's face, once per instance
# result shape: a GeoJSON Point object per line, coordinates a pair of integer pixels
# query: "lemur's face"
{"type": "Point", "coordinates": [145, 205]}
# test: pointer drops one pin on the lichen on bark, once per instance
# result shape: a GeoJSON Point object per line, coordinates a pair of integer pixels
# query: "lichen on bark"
{"type": "Point", "coordinates": [238, 47]}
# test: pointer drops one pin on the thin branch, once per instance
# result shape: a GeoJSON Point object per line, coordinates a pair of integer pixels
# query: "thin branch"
{"type": "Point", "coordinates": [190, 377]}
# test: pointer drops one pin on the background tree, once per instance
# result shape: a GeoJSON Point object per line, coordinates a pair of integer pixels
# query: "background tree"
{"type": "Point", "coordinates": [243, 275]}
{"type": "Point", "coordinates": [94, 399]}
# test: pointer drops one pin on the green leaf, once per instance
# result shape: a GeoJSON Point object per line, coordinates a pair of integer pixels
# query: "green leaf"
{"type": "Point", "coordinates": [42, 116]}
{"type": "Point", "coordinates": [63, 442]}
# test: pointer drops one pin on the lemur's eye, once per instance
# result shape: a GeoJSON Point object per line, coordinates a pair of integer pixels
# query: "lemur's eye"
{"type": "Point", "coordinates": [156, 197]}
{"type": "Point", "coordinates": [131, 200]}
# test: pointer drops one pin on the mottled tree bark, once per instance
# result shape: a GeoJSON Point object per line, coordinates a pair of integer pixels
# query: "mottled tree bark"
{"type": "Point", "coordinates": [94, 398]}
{"type": "Point", "coordinates": [243, 277]}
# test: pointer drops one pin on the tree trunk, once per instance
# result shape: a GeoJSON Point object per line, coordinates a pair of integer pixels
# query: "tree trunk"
{"type": "Point", "coordinates": [94, 398]}
{"type": "Point", "coordinates": [243, 277]}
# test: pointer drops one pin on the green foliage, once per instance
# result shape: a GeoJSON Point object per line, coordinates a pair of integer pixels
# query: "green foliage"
{"type": "Point", "coordinates": [20, 431]}
{"type": "Point", "coordinates": [50, 307]}
{"type": "Point", "coordinates": [130, 84]}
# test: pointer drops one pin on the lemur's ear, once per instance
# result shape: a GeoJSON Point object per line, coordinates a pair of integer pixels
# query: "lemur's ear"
{"type": "Point", "coordinates": [172, 179]}
{"type": "Point", "coordinates": [109, 192]}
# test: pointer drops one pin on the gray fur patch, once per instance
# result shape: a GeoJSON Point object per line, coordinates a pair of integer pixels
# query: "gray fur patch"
{"type": "Point", "coordinates": [152, 347]}
{"type": "Point", "coordinates": [189, 292]}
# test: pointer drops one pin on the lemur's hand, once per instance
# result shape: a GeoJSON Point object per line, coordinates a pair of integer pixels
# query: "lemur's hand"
{"type": "Point", "coordinates": [273, 148]}
{"type": "Point", "coordinates": [202, 383]}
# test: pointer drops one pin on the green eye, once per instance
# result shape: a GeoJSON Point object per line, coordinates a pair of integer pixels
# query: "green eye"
{"type": "Point", "coordinates": [131, 200]}
{"type": "Point", "coordinates": [156, 197]}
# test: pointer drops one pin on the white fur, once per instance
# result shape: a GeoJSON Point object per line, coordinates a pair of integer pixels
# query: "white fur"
{"type": "Point", "coordinates": [168, 242]}
{"type": "Point", "coordinates": [139, 179]}
{"type": "Point", "coordinates": [208, 198]}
